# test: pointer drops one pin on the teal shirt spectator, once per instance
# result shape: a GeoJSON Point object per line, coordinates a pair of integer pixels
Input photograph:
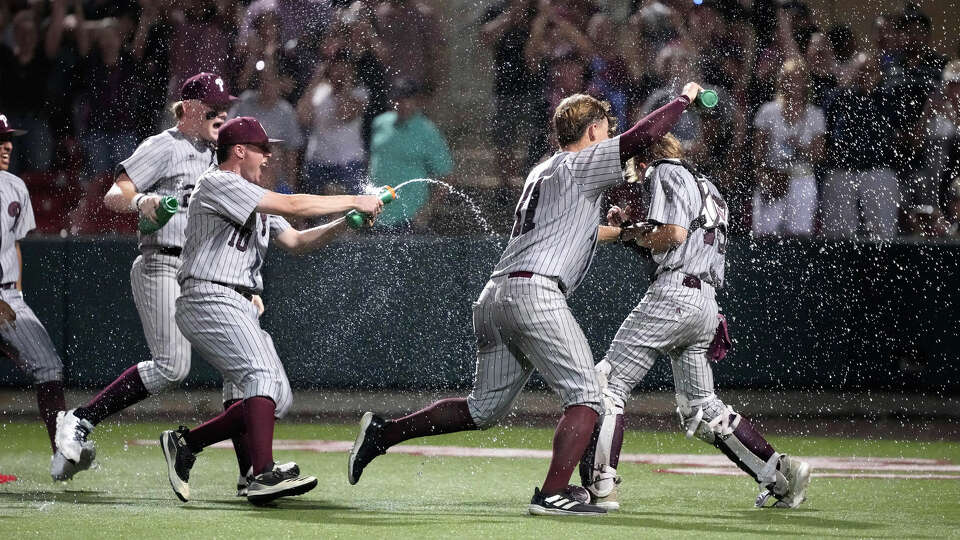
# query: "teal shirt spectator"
{"type": "Point", "coordinates": [401, 151]}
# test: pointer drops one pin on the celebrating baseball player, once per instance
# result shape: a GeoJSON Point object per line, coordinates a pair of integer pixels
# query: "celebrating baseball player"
{"type": "Point", "coordinates": [23, 339]}
{"type": "Point", "coordinates": [685, 231]}
{"type": "Point", "coordinates": [230, 223]}
{"type": "Point", "coordinates": [521, 319]}
{"type": "Point", "coordinates": [167, 164]}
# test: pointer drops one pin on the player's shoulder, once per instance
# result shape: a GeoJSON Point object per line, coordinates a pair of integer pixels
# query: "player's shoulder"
{"type": "Point", "coordinates": [668, 169]}
{"type": "Point", "coordinates": [165, 138]}
{"type": "Point", "coordinates": [12, 180]}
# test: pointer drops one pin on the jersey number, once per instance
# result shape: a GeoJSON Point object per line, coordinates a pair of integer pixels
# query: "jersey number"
{"type": "Point", "coordinates": [526, 208]}
{"type": "Point", "coordinates": [240, 238]}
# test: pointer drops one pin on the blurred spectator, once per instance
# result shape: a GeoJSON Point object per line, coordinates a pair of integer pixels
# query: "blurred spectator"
{"type": "Point", "coordinates": [788, 142]}
{"type": "Point", "coordinates": [200, 42]}
{"type": "Point", "coordinates": [108, 132]}
{"type": "Point", "coordinates": [860, 191]}
{"type": "Point", "coordinates": [609, 75]}
{"type": "Point", "coordinates": [411, 32]}
{"type": "Point", "coordinates": [296, 19]}
{"type": "Point", "coordinates": [151, 48]}
{"type": "Point", "coordinates": [279, 120]}
{"type": "Point", "coordinates": [770, 59]}
{"type": "Point", "coordinates": [506, 30]}
{"type": "Point", "coordinates": [823, 69]}
{"type": "Point", "coordinates": [407, 145]}
{"type": "Point", "coordinates": [331, 113]}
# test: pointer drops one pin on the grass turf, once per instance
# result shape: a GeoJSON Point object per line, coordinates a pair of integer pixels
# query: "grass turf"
{"type": "Point", "coordinates": [432, 497]}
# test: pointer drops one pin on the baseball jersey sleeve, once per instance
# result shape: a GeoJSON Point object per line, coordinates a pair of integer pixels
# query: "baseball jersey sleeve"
{"type": "Point", "coordinates": [597, 167]}
{"type": "Point", "coordinates": [278, 224]}
{"type": "Point", "coordinates": [231, 196]}
{"type": "Point", "coordinates": [671, 197]}
{"type": "Point", "coordinates": [148, 162]}
{"type": "Point", "coordinates": [26, 222]}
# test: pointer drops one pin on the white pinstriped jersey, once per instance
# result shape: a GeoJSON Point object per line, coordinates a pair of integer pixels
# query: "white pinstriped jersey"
{"type": "Point", "coordinates": [168, 163]}
{"type": "Point", "coordinates": [673, 196]}
{"type": "Point", "coordinates": [226, 238]}
{"type": "Point", "coordinates": [555, 232]}
{"type": "Point", "coordinates": [16, 220]}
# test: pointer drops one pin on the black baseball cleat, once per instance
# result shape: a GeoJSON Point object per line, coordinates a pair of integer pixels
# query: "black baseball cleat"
{"type": "Point", "coordinates": [180, 459]}
{"type": "Point", "coordinates": [279, 481]}
{"type": "Point", "coordinates": [561, 504]}
{"type": "Point", "coordinates": [368, 445]}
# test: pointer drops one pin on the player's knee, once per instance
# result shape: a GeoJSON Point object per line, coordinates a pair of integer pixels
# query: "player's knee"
{"type": "Point", "coordinates": [485, 417]}
{"type": "Point", "coordinates": [284, 398]}
{"type": "Point", "coordinates": [706, 417]}
{"type": "Point", "coordinates": [173, 372]}
{"type": "Point", "coordinates": [47, 374]}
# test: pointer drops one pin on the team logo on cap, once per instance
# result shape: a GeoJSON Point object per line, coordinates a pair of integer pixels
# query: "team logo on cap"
{"type": "Point", "coordinates": [3, 120]}
{"type": "Point", "coordinates": [219, 83]}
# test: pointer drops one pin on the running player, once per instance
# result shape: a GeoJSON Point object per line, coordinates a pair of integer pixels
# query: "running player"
{"type": "Point", "coordinates": [167, 164]}
{"type": "Point", "coordinates": [685, 231]}
{"type": "Point", "coordinates": [230, 223]}
{"type": "Point", "coordinates": [521, 319]}
{"type": "Point", "coordinates": [23, 339]}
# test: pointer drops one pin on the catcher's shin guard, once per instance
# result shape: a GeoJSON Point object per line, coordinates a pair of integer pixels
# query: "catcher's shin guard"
{"type": "Point", "coordinates": [598, 467]}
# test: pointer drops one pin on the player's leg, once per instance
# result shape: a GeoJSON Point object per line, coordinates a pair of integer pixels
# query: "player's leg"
{"type": "Point", "coordinates": [839, 206]}
{"type": "Point", "coordinates": [704, 415]}
{"type": "Point", "coordinates": [233, 394]}
{"type": "Point", "coordinates": [801, 205]}
{"type": "Point", "coordinates": [880, 199]}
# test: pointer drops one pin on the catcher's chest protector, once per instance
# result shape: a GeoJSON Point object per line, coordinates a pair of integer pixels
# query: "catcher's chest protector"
{"type": "Point", "coordinates": [713, 210]}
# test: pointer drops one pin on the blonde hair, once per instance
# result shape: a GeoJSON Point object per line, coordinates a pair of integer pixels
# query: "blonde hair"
{"type": "Point", "coordinates": [793, 67]}
{"type": "Point", "coordinates": [575, 114]}
{"type": "Point", "coordinates": [177, 110]}
{"type": "Point", "coordinates": [666, 147]}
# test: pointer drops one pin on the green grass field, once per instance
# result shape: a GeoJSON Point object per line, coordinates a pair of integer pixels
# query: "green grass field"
{"type": "Point", "coordinates": [455, 497]}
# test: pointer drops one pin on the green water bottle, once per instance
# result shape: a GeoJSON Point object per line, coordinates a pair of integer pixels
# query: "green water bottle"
{"type": "Point", "coordinates": [165, 210]}
{"type": "Point", "coordinates": [356, 219]}
{"type": "Point", "coordinates": [707, 99]}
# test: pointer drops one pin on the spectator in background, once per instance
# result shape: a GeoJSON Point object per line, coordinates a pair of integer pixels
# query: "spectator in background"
{"type": "Point", "coordinates": [823, 69]}
{"type": "Point", "coordinates": [108, 132]}
{"type": "Point", "coordinates": [860, 191]}
{"type": "Point", "coordinates": [331, 112]}
{"type": "Point", "coordinates": [151, 49]}
{"type": "Point", "coordinates": [788, 142]}
{"type": "Point", "coordinates": [201, 43]}
{"type": "Point", "coordinates": [278, 118]}
{"type": "Point", "coordinates": [411, 32]}
{"type": "Point", "coordinates": [609, 75]}
{"type": "Point", "coordinates": [517, 112]}
{"type": "Point", "coordinates": [407, 145]}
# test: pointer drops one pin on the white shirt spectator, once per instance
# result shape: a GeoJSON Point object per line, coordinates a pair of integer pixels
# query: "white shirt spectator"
{"type": "Point", "coordinates": [330, 139]}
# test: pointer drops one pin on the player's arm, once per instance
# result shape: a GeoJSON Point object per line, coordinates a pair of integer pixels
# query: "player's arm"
{"type": "Point", "coordinates": [123, 197]}
{"type": "Point", "coordinates": [298, 242]}
{"type": "Point", "coordinates": [659, 239]}
{"type": "Point", "coordinates": [306, 206]}
{"type": "Point", "coordinates": [656, 124]}
{"type": "Point", "coordinates": [20, 263]}
{"type": "Point", "coordinates": [607, 234]}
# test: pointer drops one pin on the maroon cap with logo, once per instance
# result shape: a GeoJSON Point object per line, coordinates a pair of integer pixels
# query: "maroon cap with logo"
{"type": "Point", "coordinates": [5, 128]}
{"type": "Point", "coordinates": [244, 130]}
{"type": "Point", "coordinates": [208, 88]}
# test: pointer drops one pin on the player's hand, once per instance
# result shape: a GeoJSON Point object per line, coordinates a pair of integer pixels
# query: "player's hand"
{"type": "Point", "coordinates": [615, 216]}
{"type": "Point", "coordinates": [691, 89]}
{"type": "Point", "coordinates": [148, 207]}
{"type": "Point", "coordinates": [636, 231]}
{"type": "Point", "coordinates": [7, 315]}
{"type": "Point", "coordinates": [368, 204]}
{"type": "Point", "coordinates": [257, 301]}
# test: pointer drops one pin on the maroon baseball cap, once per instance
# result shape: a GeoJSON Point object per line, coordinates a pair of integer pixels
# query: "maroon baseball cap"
{"type": "Point", "coordinates": [5, 128]}
{"type": "Point", "coordinates": [244, 130]}
{"type": "Point", "coordinates": [208, 88]}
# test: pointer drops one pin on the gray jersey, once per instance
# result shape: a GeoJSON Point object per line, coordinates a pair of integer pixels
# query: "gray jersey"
{"type": "Point", "coordinates": [226, 238]}
{"type": "Point", "coordinates": [168, 163]}
{"type": "Point", "coordinates": [16, 220]}
{"type": "Point", "coordinates": [674, 196]}
{"type": "Point", "coordinates": [555, 232]}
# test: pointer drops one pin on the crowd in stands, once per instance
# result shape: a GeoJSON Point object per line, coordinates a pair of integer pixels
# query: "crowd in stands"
{"type": "Point", "coordinates": [820, 131]}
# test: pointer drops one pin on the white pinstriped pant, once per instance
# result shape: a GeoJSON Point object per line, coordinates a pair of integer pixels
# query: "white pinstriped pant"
{"type": "Point", "coordinates": [225, 328]}
{"type": "Point", "coordinates": [37, 356]}
{"type": "Point", "coordinates": [153, 279]}
{"type": "Point", "coordinates": [524, 324]}
{"type": "Point", "coordinates": [671, 320]}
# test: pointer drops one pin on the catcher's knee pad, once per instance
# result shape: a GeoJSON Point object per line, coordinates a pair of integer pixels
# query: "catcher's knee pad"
{"type": "Point", "coordinates": [717, 424]}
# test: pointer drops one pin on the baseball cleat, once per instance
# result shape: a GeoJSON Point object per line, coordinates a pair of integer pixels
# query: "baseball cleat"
{"type": "Point", "coordinates": [561, 504]}
{"type": "Point", "coordinates": [608, 503]}
{"type": "Point", "coordinates": [367, 446]}
{"type": "Point", "coordinates": [180, 459]}
{"type": "Point", "coordinates": [71, 437]}
{"type": "Point", "coordinates": [61, 469]}
{"type": "Point", "coordinates": [243, 482]}
{"type": "Point", "coordinates": [797, 474]}
{"type": "Point", "coordinates": [277, 483]}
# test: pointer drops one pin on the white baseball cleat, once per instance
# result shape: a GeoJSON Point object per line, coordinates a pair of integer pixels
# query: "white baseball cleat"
{"type": "Point", "coordinates": [797, 475]}
{"type": "Point", "coordinates": [71, 438]}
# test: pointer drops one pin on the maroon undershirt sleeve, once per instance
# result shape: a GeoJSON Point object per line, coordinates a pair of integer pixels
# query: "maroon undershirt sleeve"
{"type": "Point", "coordinates": [651, 127]}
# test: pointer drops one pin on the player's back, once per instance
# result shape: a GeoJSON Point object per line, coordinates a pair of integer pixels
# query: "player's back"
{"type": "Point", "coordinates": [555, 228]}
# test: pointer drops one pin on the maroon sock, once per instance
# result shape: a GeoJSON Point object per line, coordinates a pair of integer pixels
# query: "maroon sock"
{"type": "Point", "coordinates": [444, 416]}
{"type": "Point", "coordinates": [50, 401]}
{"type": "Point", "coordinates": [258, 416]}
{"type": "Point", "coordinates": [617, 444]}
{"type": "Point", "coordinates": [752, 440]}
{"type": "Point", "coordinates": [120, 394]}
{"type": "Point", "coordinates": [239, 444]}
{"type": "Point", "coordinates": [569, 441]}
{"type": "Point", "coordinates": [227, 424]}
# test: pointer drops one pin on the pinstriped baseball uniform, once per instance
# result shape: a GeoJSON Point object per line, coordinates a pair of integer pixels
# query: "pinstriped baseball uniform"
{"type": "Point", "coordinates": [521, 319]}
{"type": "Point", "coordinates": [226, 242]}
{"type": "Point", "coordinates": [36, 354]}
{"type": "Point", "coordinates": [168, 163]}
{"type": "Point", "coordinates": [678, 315]}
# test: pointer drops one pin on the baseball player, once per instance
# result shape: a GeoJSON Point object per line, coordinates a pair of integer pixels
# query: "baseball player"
{"type": "Point", "coordinates": [167, 164]}
{"type": "Point", "coordinates": [23, 339]}
{"type": "Point", "coordinates": [230, 223]}
{"type": "Point", "coordinates": [685, 231]}
{"type": "Point", "coordinates": [521, 319]}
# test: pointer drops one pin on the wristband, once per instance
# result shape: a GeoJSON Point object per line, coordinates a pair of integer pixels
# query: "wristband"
{"type": "Point", "coordinates": [135, 201]}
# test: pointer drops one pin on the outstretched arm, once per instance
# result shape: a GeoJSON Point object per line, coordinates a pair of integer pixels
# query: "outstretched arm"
{"type": "Point", "coordinates": [656, 124]}
{"type": "Point", "coordinates": [298, 242]}
{"type": "Point", "coordinates": [305, 206]}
